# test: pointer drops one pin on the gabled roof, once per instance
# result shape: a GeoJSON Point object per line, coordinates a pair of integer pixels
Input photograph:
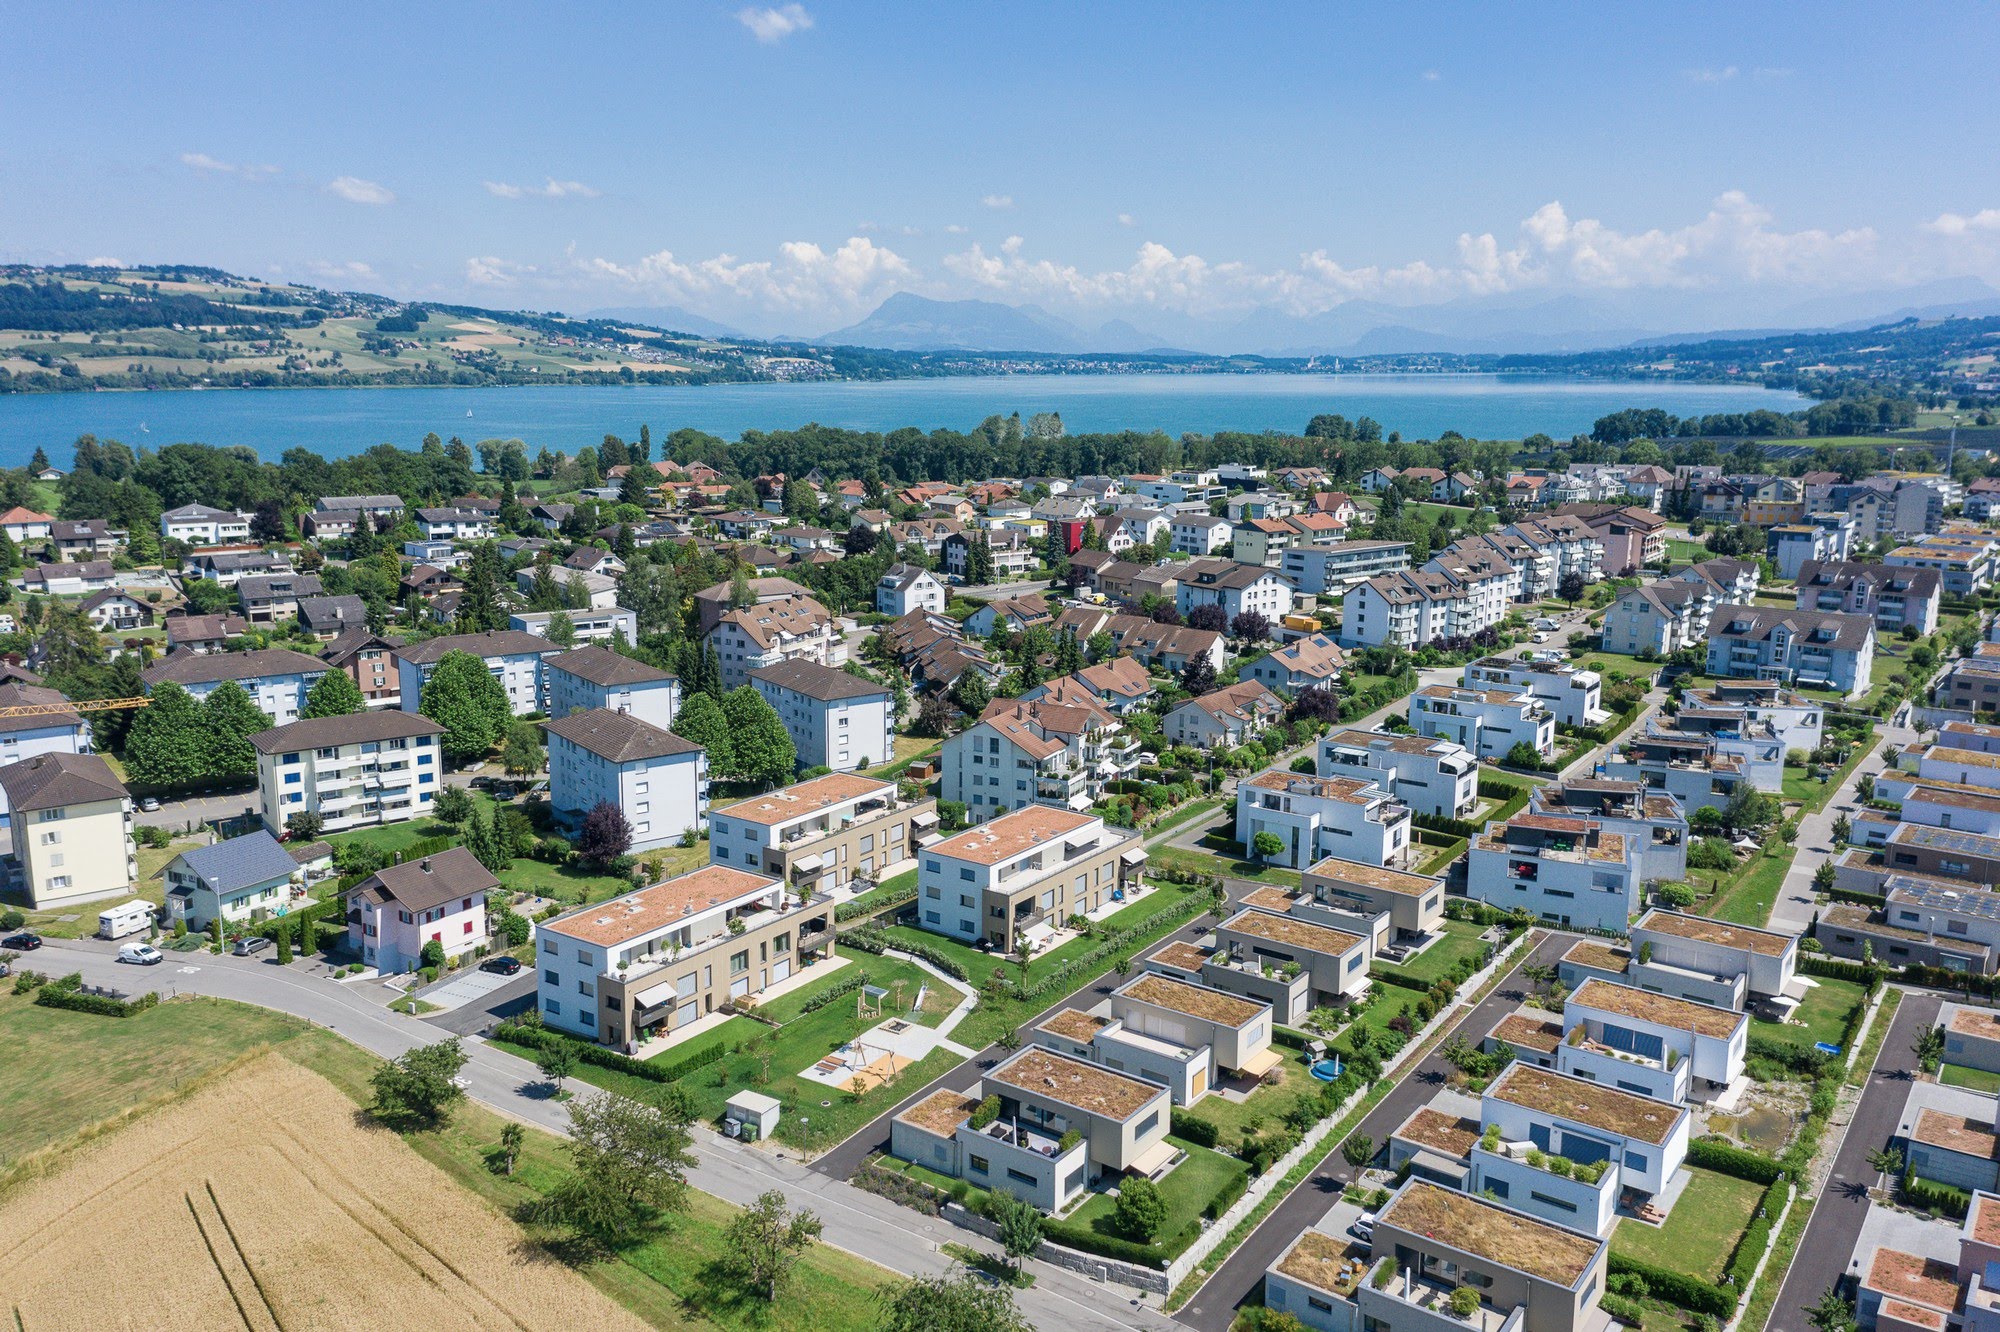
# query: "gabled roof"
{"type": "Point", "coordinates": [491, 643]}
{"type": "Point", "coordinates": [619, 736]}
{"type": "Point", "coordinates": [602, 666]}
{"type": "Point", "coordinates": [421, 885]}
{"type": "Point", "coordinates": [344, 612]}
{"type": "Point", "coordinates": [213, 667]}
{"type": "Point", "coordinates": [824, 683]}
{"type": "Point", "coordinates": [239, 862]}
{"type": "Point", "coordinates": [350, 729]}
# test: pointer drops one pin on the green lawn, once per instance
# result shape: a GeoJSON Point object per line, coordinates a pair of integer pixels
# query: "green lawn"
{"type": "Point", "coordinates": [1461, 941]}
{"type": "Point", "coordinates": [1748, 901]}
{"type": "Point", "coordinates": [1187, 1189]}
{"type": "Point", "coordinates": [1825, 1012]}
{"type": "Point", "coordinates": [1263, 1108]}
{"type": "Point", "coordinates": [1611, 665]}
{"type": "Point", "coordinates": [1701, 1230]}
{"type": "Point", "coordinates": [1683, 552]}
{"type": "Point", "coordinates": [1208, 862]}
{"type": "Point", "coordinates": [1978, 1079]}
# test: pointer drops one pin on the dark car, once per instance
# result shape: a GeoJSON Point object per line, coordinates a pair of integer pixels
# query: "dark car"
{"type": "Point", "coordinates": [501, 965]}
{"type": "Point", "coordinates": [23, 942]}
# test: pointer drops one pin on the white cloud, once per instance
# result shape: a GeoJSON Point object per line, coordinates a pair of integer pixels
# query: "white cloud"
{"type": "Point", "coordinates": [1432, 76]}
{"type": "Point", "coordinates": [999, 203]}
{"type": "Point", "coordinates": [802, 277]}
{"type": "Point", "coordinates": [1958, 224]}
{"type": "Point", "coordinates": [1127, 220]}
{"type": "Point", "coordinates": [212, 166]}
{"type": "Point", "coordinates": [356, 190]}
{"type": "Point", "coordinates": [336, 271]}
{"type": "Point", "coordinates": [768, 24]}
{"type": "Point", "coordinates": [1711, 74]}
{"type": "Point", "coordinates": [553, 189]}
{"type": "Point", "coordinates": [104, 261]}
{"type": "Point", "coordinates": [492, 271]}
{"type": "Point", "coordinates": [956, 228]}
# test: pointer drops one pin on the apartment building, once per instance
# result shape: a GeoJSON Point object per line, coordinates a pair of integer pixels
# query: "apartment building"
{"type": "Point", "coordinates": [70, 821]}
{"type": "Point", "coordinates": [1651, 1044]}
{"type": "Point", "coordinates": [598, 624]}
{"type": "Point", "coordinates": [1120, 1123]}
{"type": "Point", "coordinates": [1660, 618]}
{"type": "Point", "coordinates": [1430, 775]}
{"type": "Point", "coordinates": [1314, 661]}
{"type": "Point", "coordinates": [1965, 564]}
{"type": "Point", "coordinates": [1713, 962]}
{"type": "Point", "coordinates": [1488, 722]}
{"type": "Point", "coordinates": [648, 964]}
{"type": "Point", "coordinates": [1223, 718]}
{"type": "Point", "coordinates": [201, 525]}
{"type": "Point", "coordinates": [1791, 546]}
{"type": "Point", "coordinates": [1316, 817]}
{"type": "Point", "coordinates": [1234, 587]}
{"type": "Point", "coordinates": [907, 587]}
{"type": "Point", "coordinates": [1414, 903]}
{"type": "Point", "coordinates": [455, 524]}
{"type": "Point", "coordinates": [1654, 819]}
{"type": "Point", "coordinates": [1022, 874]}
{"type": "Point", "coordinates": [1583, 1121]}
{"type": "Point", "coordinates": [1569, 872]}
{"type": "Point", "coordinates": [1633, 538]}
{"type": "Point", "coordinates": [826, 833]}
{"type": "Point", "coordinates": [398, 910]}
{"type": "Point", "coordinates": [1891, 595]}
{"type": "Point", "coordinates": [1567, 547]}
{"type": "Point", "coordinates": [353, 771]}
{"type": "Point", "coordinates": [1178, 1033]}
{"type": "Point", "coordinates": [784, 629]}
{"type": "Point", "coordinates": [1324, 569]}
{"type": "Point", "coordinates": [658, 780]}
{"type": "Point", "coordinates": [25, 734]}
{"type": "Point", "coordinates": [1690, 768]}
{"type": "Point", "coordinates": [836, 720]}
{"type": "Point", "coordinates": [594, 677]}
{"type": "Point", "coordinates": [512, 657]}
{"type": "Point", "coordinates": [1829, 649]}
{"type": "Point", "coordinates": [1262, 542]}
{"type": "Point", "coordinates": [1019, 754]}
{"type": "Point", "coordinates": [276, 679]}
{"type": "Point", "coordinates": [1200, 534]}
{"type": "Point", "coordinates": [1574, 697]}
{"type": "Point", "coordinates": [1755, 720]}
{"type": "Point", "coordinates": [1970, 684]}
{"type": "Point", "coordinates": [370, 661]}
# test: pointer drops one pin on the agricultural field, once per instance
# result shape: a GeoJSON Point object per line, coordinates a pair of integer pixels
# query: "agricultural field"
{"type": "Point", "coordinates": [251, 1182]}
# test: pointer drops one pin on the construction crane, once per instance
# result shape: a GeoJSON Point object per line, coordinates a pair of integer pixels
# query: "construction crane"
{"type": "Point", "coordinates": [85, 705]}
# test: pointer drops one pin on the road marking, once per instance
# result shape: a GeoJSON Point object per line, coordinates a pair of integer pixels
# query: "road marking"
{"type": "Point", "coordinates": [188, 971]}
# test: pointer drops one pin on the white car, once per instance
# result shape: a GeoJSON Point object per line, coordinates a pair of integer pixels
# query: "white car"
{"type": "Point", "coordinates": [140, 955]}
{"type": "Point", "coordinates": [1363, 1228]}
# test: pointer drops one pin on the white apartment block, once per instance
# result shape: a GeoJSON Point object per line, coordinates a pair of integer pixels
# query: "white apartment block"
{"type": "Point", "coordinates": [511, 656]}
{"type": "Point", "coordinates": [908, 587]}
{"type": "Point", "coordinates": [596, 677]}
{"type": "Point", "coordinates": [1416, 607]}
{"type": "Point", "coordinates": [1324, 569]}
{"type": "Point", "coordinates": [657, 779]}
{"type": "Point", "coordinates": [1825, 648]}
{"type": "Point", "coordinates": [1018, 754]}
{"type": "Point", "coordinates": [598, 624]}
{"type": "Point", "coordinates": [1022, 875]}
{"type": "Point", "coordinates": [1893, 595]}
{"type": "Point", "coordinates": [1430, 775]}
{"type": "Point", "coordinates": [1575, 697]}
{"type": "Point", "coordinates": [354, 771]}
{"type": "Point", "coordinates": [200, 525]}
{"type": "Point", "coordinates": [1567, 872]}
{"type": "Point", "coordinates": [1200, 534]}
{"type": "Point", "coordinates": [1345, 818]}
{"type": "Point", "coordinates": [277, 680]}
{"type": "Point", "coordinates": [1234, 587]}
{"type": "Point", "coordinates": [1489, 722]}
{"type": "Point", "coordinates": [782, 629]}
{"type": "Point", "coordinates": [836, 720]}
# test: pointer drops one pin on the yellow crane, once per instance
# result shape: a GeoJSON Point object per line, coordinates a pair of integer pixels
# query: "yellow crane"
{"type": "Point", "coordinates": [86, 705]}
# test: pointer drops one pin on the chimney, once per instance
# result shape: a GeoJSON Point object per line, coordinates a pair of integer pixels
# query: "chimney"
{"type": "Point", "coordinates": [427, 865]}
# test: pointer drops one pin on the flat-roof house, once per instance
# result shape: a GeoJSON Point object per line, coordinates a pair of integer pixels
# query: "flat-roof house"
{"type": "Point", "coordinates": [1575, 697]}
{"type": "Point", "coordinates": [1414, 902]}
{"type": "Point", "coordinates": [1291, 963]}
{"type": "Point", "coordinates": [1585, 1122]}
{"type": "Point", "coordinates": [1971, 1036]}
{"type": "Point", "coordinates": [1654, 818]}
{"type": "Point", "coordinates": [1169, 1030]}
{"type": "Point", "coordinates": [1022, 875]}
{"type": "Point", "coordinates": [1949, 1136]}
{"type": "Point", "coordinates": [1569, 872]}
{"type": "Point", "coordinates": [1713, 962]}
{"type": "Point", "coordinates": [1316, 817]}
{"type": "Point", "coordinates": [1429, 774]}
{"type": "Point", "coordinates": [1652, 1044]}
{"type": "Point", "coordinates": [1489, 722]}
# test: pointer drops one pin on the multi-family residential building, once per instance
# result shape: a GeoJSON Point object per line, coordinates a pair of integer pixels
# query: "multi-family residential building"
{"type": "Point", "coordinates": [1965, 563]}
{"type": "Point", "coordinates": [1119, 1125]}
{"type": "Point", "coordinates": [511, 656]}
{"type": "Point", "coordinates": [828, 833]}
{"type": "Point", "coordinates": [456, 524]}
{"type": "Point", "coordinates": [596, 677]}
{"type": "Point", "coordinates": [788, 628]}
{"type": "Point", "coordinates": [1645, 1139]}
{"type": "Point", "coordinates": [1830, 649]}
{"type": "Point", "coordinates": [1893, 596]}
{"type": "Point", "coordinates": [658, 780]}
{"type": "Point", "coordinates": [353, 771]}
{"type": "Point", "coordinates": [598, 624]}
{"type": "Point", "coordinates": [1660, 618]}
{"type": "Point", "coordinates": [1236, 588]}
{"type": "Point", "coordinates": [1742, 715]}
{"type": "Point", "coordinates": [1322, 569]}
{"type": "Point", "coordinates": [70, 821]}
{"type": "Point", "coordinates": [1713, 962]}
{"type": "Point", "coordinates": [276, 679]}
{"type": "Point", "coordinates": [1568, 872]}
{"type": "Point", "coordinates": [276, 597]}
{"type": "Point", "coordinates": [1430, 775]}
{"type": "Point", "coordinates": [93, 538]}
{"type": "Point", "coordinates": [835, 719]}
{"type": "Point", "coordinates": [1653, 818]}
{"type": "Point", "coordinates": [1200, 534]}
{"type": "Point", "coordinates": [1013, 553]}
{"type": "Point", "coordinates": [1293, 961]}
{"type": "Point", "coordinates": [1223, 718]}
{"type": "Point", "coordinates": [1165, 1029]}
{"type": "Point", "coordinates": [652, 962]}
{"type": "Point", "coordinates": [1314, 661]}
{"type": "Point", "coordinates": [201, 525]}
{"type": "Point", "coordinates": [232, 881]}
{"type": "Point", "coordinates": [1315, 817]}
{"type": "Point", "coordinates": [1791, 545]}
{"type": "Point", "coordinates": [1416, 607]}
{"type": "Point", "coordinates": [908, 587]}
{"type": "Point", "coordinates": [1020, 876]}
{"type": "Point", "coordinates": [26, 730]}
{"type": "Point", "coordinates": [1690, 768]}
{"type": "Point", "coordinates": [1119, 685]}
{"type": "Point", "coordinates": [370, 661]}
{"type": "Point", "coordinates": [1019, 754]}
{"type": "Point", "coordinates": [1489, 722]}
{"type": "Point", "coordinates": [399, 910]}
{"type": "Point", "coordinates": [1574, 697]}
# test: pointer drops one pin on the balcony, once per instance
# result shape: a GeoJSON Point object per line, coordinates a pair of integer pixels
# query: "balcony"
{"type": "Point", "coordinates": [1429, 1298]}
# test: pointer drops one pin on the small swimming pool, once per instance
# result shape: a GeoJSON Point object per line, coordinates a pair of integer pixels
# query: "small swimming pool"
{"type": "Point", "coordinates": [1326, 1070]}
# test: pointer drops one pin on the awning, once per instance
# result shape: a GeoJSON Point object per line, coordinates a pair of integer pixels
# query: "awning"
{"type": "Point", "coordinates": [1136, 856]}
{"type": "Point", "coordinates": [923, 819]}
{"type": "Point", "coordinates": [1154, 1159]}
{"type": "Point", "coordinates": [1257, 1065]}
{"type": "Point", "coordinates": [655, 995]}
{"type": "Point", "coordinates": [812, 864]}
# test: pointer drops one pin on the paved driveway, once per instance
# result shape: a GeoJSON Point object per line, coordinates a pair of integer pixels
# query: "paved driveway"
{"type": "Point", "coordinates": [465, 989]}
{"type": "Point", "coordinates": [513, 996]}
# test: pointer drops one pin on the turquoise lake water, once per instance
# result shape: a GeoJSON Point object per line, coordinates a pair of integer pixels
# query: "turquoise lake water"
{"type": "Point", "coordinates": [332, 422]}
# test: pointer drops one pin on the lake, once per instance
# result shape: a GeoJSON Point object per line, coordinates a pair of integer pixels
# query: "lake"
{"type": "Point", "coordinates": [334, 421]}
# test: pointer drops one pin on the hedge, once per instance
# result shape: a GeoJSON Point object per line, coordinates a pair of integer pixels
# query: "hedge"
{"type": "Point", "coordinates": [1689, 1293]}
{"type": "Point", "coordinates": [1835, 969]}
{"type": "Point", "coordinates": [1858, 898]}
{"type": "Point", "coordinates": [1289, 1037]}
{"type": "Point", "coordinates": [852, 982]}
{"type": "Point", "coordinates": [1232, 1189]}
{"type": "Point", "coordinates": [541, 1038]}
{"type": "Point", "coordinates": [55, 996]}
{"type": "Point", "coordinates": [1944, 978]}
{"type": "Point", "coordinates": [850, 910]}
{"type": "Point", "coordinates": [1750, 1245]}
{"type": "Point", "coordinates": [1449, 826]}
{"type": "Point", "coordinates": [1727, 1160]}
{"type": "Point", "coordinates": [1495, 789]}
{"type": "Point", "coordinates": [870, 939]}
{"type": "Point", "coordinates": [1629, 1312]}
{"type": "Point", "coordinates": [1061, 980]}
{"type": "Point", "coordinates": [288, 926]}
{"type": "Point", "coordinates": [1074, 1236]}
{"type": "Point", "coordinates": [1197, 1131]}
{"type": "Point", "coordinates": [1929, 1193]}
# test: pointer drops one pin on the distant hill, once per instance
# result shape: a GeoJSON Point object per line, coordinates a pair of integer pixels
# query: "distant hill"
{"type": "Point", "coordinates": [672, 317]}
{"type": "Point", "coordinates": [908, 322]}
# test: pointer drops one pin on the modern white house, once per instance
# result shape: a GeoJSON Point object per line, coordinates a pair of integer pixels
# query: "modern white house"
{"type": "Point", "coordinates": [1178, 1033]}
{"type": "Point", "coordinates": [276, 679]}
{"type": "Point", "coordinates": [1651, 1044]}
{"type": "Point", "coordinates": [1488, 722]}
{"type": "Point", "coordinates": [1316, 817]}
{"type": "Point", "coordinates": [908, 587]}
{"type": "Point", "coordinates": [835, 719]}
{"type": "Point", "coordinates": [656, 778]}
{"type": "Point", "coordinates": [353, 771]}
{"type": "Point", "coordinates": [233, 881]}
{"type": "Point", "coordinates": [597, 677]}
{"type": "Point", "coordinates": [201, 525]}
{"type": "Point", "coordinates": [1711, 961]}
{"type": "Point", "coordinates": [455, 524]}
{"type": "Point", "coordinates": [1334, 567]}
{"type": "Point", "coordinates": [1200, 534]}
{"type": "Point", "coordinates": [1573, 697]}
{"type": "Point", "coordinates": [512, 657]}
{"type": "Point", "coordinates": [1654, 818]}
{"type": "Point", "coordinates": [596, 624]}
{"type": "Point", "coordinates": [1582, 1121]}
{"type": "Point", "coordinates": [833, 833]}
{"type": "Point", "coordinates": [1430, 775]}
{"type": "Point", "coordinates": [1569, 872]}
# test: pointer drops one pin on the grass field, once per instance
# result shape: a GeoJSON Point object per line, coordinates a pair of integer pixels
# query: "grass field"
{"type": "Point", "coordinates": [1978, 1079]}
{"type": "Point", "coordinates": [1823, 1014]}
{"type": "Point", "coordinates": [1223, 862]}
{"type": "Point", "coordinates": [1263, 1108]}
{"type": "Point", "coordinates": [565, 883]}
{"type": "Point", "coordinates": [1186, 1189]}
{"type": "Point", "coordinates": [1749, 899]}
{"type": "Point", "coordinates": [1461, 941]}
{"type": "Point", "coordinates": [79, 1074]}
{"type": "Point", "coordinates": [1701, 1230]}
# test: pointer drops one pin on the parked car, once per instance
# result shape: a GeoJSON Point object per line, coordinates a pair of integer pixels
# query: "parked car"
{"type": "Point", "coordinates": [251, 945]}
{"type": "Point", "coordinates": [1363, 1228]}
{"type": "Point", "coordinates": [150, 804]}
{"type": "Point", "coordinates": [24, 942]}
{"type": "Point", "coordinates": [502, 965]}
{"type": "Point", "coordinates": [141, 955]}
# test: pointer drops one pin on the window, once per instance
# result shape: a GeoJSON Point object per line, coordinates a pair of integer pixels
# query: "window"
{"type": "Point", "coordinates": [1548, 1201]}
{"type": "Point", "coordinates": [1021, 1177]}
{"type": "Point", "coordinates": [1636, 1161]}
{"type": "Point", "coordinates": [551, 978]}
{"type": "Point", "coordinates": [979, 1164]}
{"type": "Point", "coordinates": [739, 962]}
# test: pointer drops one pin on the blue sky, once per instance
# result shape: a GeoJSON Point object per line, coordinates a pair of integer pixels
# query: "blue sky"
{"type": "Point", "coordinates": [783, 168]}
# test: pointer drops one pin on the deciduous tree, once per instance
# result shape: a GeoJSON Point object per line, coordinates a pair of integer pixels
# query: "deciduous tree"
{"type": "Point", "coordinates": [629, 1159]}
{"type": "Point", "coordinates": [700, 720]}
{"type": "Point", "coordinates": [606, 834]}
{"type": "Point", "coordinates": [419, 1090]}
{"type": "Point", "coordinates": [168, 742]}
{"type": "Point", "coordinates": [469, 703]}
{"type": "Point", "coordinates": [333, 695]}
{"type": "Point", "coordinates": [955, 1301]}
{"type": "Point", "coordinates": [760, 748]}
{"type": "Point", "coordinates": [766, 1240]}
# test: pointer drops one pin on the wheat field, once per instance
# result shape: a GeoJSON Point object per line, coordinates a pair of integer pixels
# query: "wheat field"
{"type": "Point", "coordinates": [265, 1203]}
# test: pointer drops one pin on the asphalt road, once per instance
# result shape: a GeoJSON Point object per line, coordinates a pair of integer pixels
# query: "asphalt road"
{"type": "Point", "coordinates": [1241, 1277]}
{"type": "Point", "coordinates": [1828, 1244]}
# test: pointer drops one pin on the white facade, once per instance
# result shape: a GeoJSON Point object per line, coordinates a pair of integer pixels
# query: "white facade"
{"type": "Point", "coordinates": [199, 525]}
{"type": "Point", "coordinates": [1317, 817]}
{"type": "Point", "coordinates": [1430, 775]}
{"type": "Point", "coordinates": [658, 780]}
{"type": "Point", "coordinates": [1234, 587]}
{"type": "Point", "coordinates": [510, 656]}
{"type": "Point", "coordinates": [1200, 534]}
{"type": "Point", "coordinates": [599, 624]}
{"type": "Point", "coordinates": [1489, 722]}
{"type": "Point", "coordinates": [581, 684]}
{"type": "Point", "coordinates": [1567, 872]}
{"type": "Point", "coordinates": [905, 587]}
{"type": "Point", "coordinates": [842, 724]}
{"type": "Point", "coordinates": [278, 686]}
{"type": "Point", "coordinates": [1576, 698]}
{"type": "Point", "coordinates": [356, 771]}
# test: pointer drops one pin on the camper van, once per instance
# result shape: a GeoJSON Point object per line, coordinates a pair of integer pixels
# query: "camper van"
{"type": "Point", "coordinates": [134, 917]}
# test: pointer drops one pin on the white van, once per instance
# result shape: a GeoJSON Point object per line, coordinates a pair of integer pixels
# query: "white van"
{"type": "Point", "coordinates": [134, 917]}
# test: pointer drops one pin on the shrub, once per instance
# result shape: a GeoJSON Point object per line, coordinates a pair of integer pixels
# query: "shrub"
{"type": "Point", "coordinates": [1689, 1293]}
{"type": "Point", "coordinates": [1924, 1192]}
{"type": "Point", "coordinates": [1724, 1159]}
{"type": "Point", "coordinates": [1140, 1210]}
{"type": "Point", "coordinates": [59, 995]}
{"type": "Point", "coordinates": [540, 1038]}
{"type": "Point", "coordinates": [10, 919]}
{"type": "Point", "coordinates": [988, 1111]}
{"type": "Point", "coordinates": [1195, 1129]}
{"type": "Point", "coordinates": [1225, 1197]}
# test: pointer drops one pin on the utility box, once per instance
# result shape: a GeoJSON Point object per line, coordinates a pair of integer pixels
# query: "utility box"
{"type": "Point", "coordinates": [751, 1115]}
